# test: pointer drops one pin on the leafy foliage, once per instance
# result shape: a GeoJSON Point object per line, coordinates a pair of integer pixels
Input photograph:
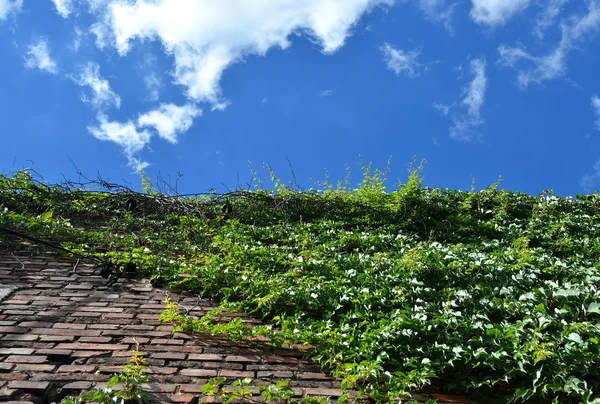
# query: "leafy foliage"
{"type": "Point", "coordinates": [488, 290]}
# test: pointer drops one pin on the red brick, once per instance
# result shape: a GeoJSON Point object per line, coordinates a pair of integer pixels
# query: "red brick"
{"type": "Point", "coordinates": [28, 385]}
{"type": "Point", "coordinates": [160, 387]}
{"type": "Point", "coordinates": [274, 374]}
{"type": "Point", "coordinates": [87, 354]}
{"type": "Point", "coordinates": [135, 340]}
{"type": "Point", "coordinates": [110, 369]}
{"type": "Point", "coordinates": [199, 372]}
{"type": "Point", "coordinates": [76, 368]}
{"type": "Point", "coordinates": [6, 323]}
{"type": "Point", "coordinates": [13, 376]}
{"type": "Point", "coordinates": [27, 359]}
{"type": "Point", "coordinates": [281, 359]}
{"type": "Point", "coordinates": [94, 347]}
{"type": "Point", "coordinates": [16, 351]}
{"type": "Point", "coordinates": [239, 358]}
{"type": "Point", "coordinates": [119, 315]}
{"type": "Point", "coordinates": [66, 331]}
{"type": "Point", "coordinates": [205, 357]}
{"type": "Point", "coordinates": [5, 367]}
{"type": "Point", "coordinates": [100, 309]}
{"type": "Point", "coordinates": [34, 368]}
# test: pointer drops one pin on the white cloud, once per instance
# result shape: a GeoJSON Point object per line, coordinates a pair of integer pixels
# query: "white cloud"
{"type": "Point", "coordinates": [77, 37]}
{"type": "Point", "coordinates": [496, 12]}
{"type": "Point", "coordinates": [401, 62]}
{"type": "Point", "coordinates": [538, 69]}
{"type": "Point", "coordinates": [590, 181]}
{"type": "Point", "coordinates": [170, 120]}
{"type": "Point", "coordinates": [126, 135]}
{"type": "Point", "coordinates": [8, 7]}
{"type": "Point", "coordinates": [326, 93]}
{"type": "Point", "coordinates": [439, 10]}
{"type": "Point", "coordinates": [153, 85]}
{"type": "Point", "coordinates": [471, 101]}
{"type": "Point", "coordinates": [547, 16]}
{"type": "Point", "coordinates": [38, 57]}
{"type": "Point", "coordinates": [63, 7]}
{"type": "Point", "coordinates": [101, 94]}
{"type": "Point", "coordinates": [596, 106]}
{"type": "Point", "coordinates": [205, 36]}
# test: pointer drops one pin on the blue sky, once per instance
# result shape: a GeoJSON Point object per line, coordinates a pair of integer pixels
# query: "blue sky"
{"type": "Point", "coordinates": [478, 88]}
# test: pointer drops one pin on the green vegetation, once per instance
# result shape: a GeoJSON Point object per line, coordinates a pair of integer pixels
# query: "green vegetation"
{"type": "Point", "coordinates": [490, 291]}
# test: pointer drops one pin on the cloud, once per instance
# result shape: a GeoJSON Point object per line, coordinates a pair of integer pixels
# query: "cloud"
{"type": "Point", "coordinates": [205, 37]}
{"type": "Point", "coordinates": [547, 16]}
{"type": "Point", "coordinates": [537, 69]}
{"type": "Point", "coordinates": [63, 7]}
{"type": "Point", "coordinates": [596, 106]}
{"type": "Point", "coordinates": [170, 120]}
{"type": "Point", "coordinates": [439, 10]}
{"type": "Point", "coordinates": [153, 85]}
{"type": "Point", "coordinates": [8, 7]}
{"type": "Point", "coordinates": [126, 135]}
{"type": "Point", "coordinates": [401, 62]}
{"type": "Point", "coordinates": [102, 96]}
{"type": "Point", "coordinates": [326, 93]}
{"type": "Point", "coordinates": [590, 181]}
{"type": "Point", "coordinates": [496, 12]}
{"type": "Point", "coordinates": [471, 102]}
{"type": "Point", "coordinates": [38, 57]}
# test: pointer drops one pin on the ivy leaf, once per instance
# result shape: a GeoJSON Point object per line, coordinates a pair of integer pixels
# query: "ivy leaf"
{"type": "Point", "coordinates": [594, 308]}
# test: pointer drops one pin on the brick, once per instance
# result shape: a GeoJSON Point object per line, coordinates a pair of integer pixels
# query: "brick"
{"type": "Point", "coordinates": [20, 337]}
{"type": "Point", "coordinates": [239, 358]}
{"type": "Point", "coordinates": [34, 368]}
{"type": "Point", "coordinates": [313, 376]}
{"type": "Point", "coordinates": [13, 330]}
{"type": "Point", "coordinates": [94, 347]}
{"type": "Point", "coordinates": [76, 369]}
{"type": "Point", "coordinates": [158, 341]}
{"type": "Point", "coordinates": [100, 309]}
{"type": "Point", "coordinates": [135, 340]}
{"type": "Point", "coordinates": [323, 392]}
{"type": "Point", "coordinates": [191, 388]}
{"type": "Point", "coordinates": [182, 398]}
{"type": "Point", "coordinates": [205, 357]}
{"type": "Point", "coordinates": [16, 351]}
{"type": "Point", "coordinates": [77, 386]}
{"type": "Point", "coordinates": [104, 326]}
{"type": "Point", "coordinates": [71, 326]}
{"type": "Point", "coordinates": [63, 332]}
{"type": "Point", "coordinates": [159, 387]}
{"type": "Point", "coordinates": [281, 359]}
{"type": "Point", "coordinates": [274, 374]}
{"type": "Point", "coordinates": [88, 354]}
{"type": "Point", "coordinates": [159, 370]}
{"type": "Point", "coordinates": [37, 324]}
{"type": "Point", "coordinates": [81, 286]}
{"type": "Point", "coordinates": [6, 323]}
{"type": "Point", "coordinates": [27, 359]}
{"type": "Point", "coordinates": [13, 376]}
{"type": "Point", "coordinates": [100, 340]}
{"type": "Point", "coordinates": [110, 369]}
{"type": "Point", "coordinates": [169, 356]}
{"type": "Point", "coordinates": [54, 352]}
{"type": "Point", "coordinates": [235, 373]}
{"type": "Point", "coordinates": [6, 367]}
{"type": "Point", "coordinates": [119, 315]}
{"type": "Point", "coordinates": [221, 365]}
{"type": "Point", "coordinates": [450, 398]}
{"type": "Point", "coordinates": [85, 314]}
{"type": "Point", "coordinates": [56, 338]}
{"type": "Point", "coordinates": [199, 372]}
{"type": "Point", "coordinates": [27, 385]}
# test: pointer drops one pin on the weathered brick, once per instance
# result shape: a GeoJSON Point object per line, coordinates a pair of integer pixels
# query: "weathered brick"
{"type": "Point", "coordinates": [281, 359]}
{"type": "Point", "coordinates": [27, 359]}
{"type": "Point", "coordinates": [20, 337]}
{"type": "Point", "coordinates": [199, 372]}
{"type": "Point", "coordinates": [312, 376]}
{"type": "Point", "coordinates": [76, 368]}
{"type": "Point", "coordinates": [13, 376]}
{"type": "Point", "coordinates": [27, 385]}
{"type": "Point", "coordinates": [240, 358]}
{"type": "Point", "coordinates": [54, 352]}
{"type": "Point", "coordinates": [235, 373]}
{"type": "Point", "coordinates": [77, 386]}
{"type": "Point", "coordinates": [160, 387]}
{"type": "Point", "coordinates": [274, 374]}
{"type": "Point", "coordinates": [135, 340]}
{"type": "Point", "coordinates": [159, 341]}
{"type": "Point", "coordinates": [159, 370]}
{"type": "Point", "coordinates": [323, 392]}
{"type": "Point", "coordinates": [7, 323]}
{"type": "Point", "coordinates": [110, 369]}
{"type": "Point", "coordinates": [13, 330]}
{"type": "Point", "coordinates": [71, 326]}
{"type": "Point", "coordinates": [205, 357]}
{"type": "Point", "coordinates": [85, 314]}
{"type": "Point", "coordinates": [34, 368]}
{"type": "Point", "coordinates": [65, 332]}
{"type": "Point", "coordinates": [169, 356]}
{"type": "Point", "coordinates": [6, 367]}
{"type": "Point", "coordinates": [100, 309]}
{"type": "Point", "coordinates": [37, 324]}
{"type": "Point", "coordinates": [94, 347]}
{"type": "Point", "coordinates": [56, 338]}
{"type": "Point", "coordinates": [191, 388]}
{"type": "Point", "coordinates": [182, 398]}
{"type": "Point", "coordinates": [99, 340]}
{"type": "Point", "coordinates": [16, 351]}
